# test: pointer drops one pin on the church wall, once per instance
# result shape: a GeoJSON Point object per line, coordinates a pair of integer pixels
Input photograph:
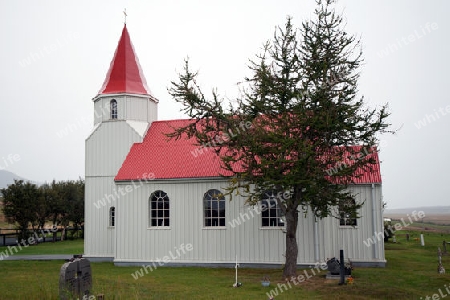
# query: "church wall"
{"type": "Point", "coordinates": [351, 239]}
{"type": "Point", "coordinates": [108, 146]}
{"type": "Point", "coordinates": [213, 245]}
{"type": "Point", "coordinates": [106, 149]}
{"type": "Point", "coordinates": [99, 238]}
{"type": "Point", "coordinates": [252, 243]}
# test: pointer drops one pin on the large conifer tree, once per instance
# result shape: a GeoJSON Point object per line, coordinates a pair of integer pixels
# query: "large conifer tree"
{"type": "Point", "coordinates": [299, 117]}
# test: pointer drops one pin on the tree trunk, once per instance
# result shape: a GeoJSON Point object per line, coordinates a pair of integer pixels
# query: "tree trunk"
{"type": "Point", "coordinates": [290, 267]}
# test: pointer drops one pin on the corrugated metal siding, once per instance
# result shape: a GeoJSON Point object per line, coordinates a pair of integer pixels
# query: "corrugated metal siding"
{"type": "Point", "coordinates": [128, 108]}
{"type": "Point", "coordinates": [107, 148]}
{"type": "Point", "coordinates": [140, 109]}
{"type": "Point", "coordinates": [99, 239]}
{"type": "Point", "coordinates": [186, 208]}
{"type": "Point", "coordinates": [152, 111]}
{"type": "Point", "coordinates": [351, 240]}
{"type": "Point", "coordinates": [137, 243]}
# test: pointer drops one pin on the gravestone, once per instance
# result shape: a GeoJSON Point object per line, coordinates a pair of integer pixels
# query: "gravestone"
{"type": "Point", "coordinates": [440, 268]}
{"type": "Point", "coordinates": [75, 279]}
{"type": "Point", "coordinates": [333, 266]}
{"type": "Point", "coordinates": [68, 284]}
{"type": "Point", "coordinates": [334, 269]}
{"type": "Point", "coordinates": [84, 267]}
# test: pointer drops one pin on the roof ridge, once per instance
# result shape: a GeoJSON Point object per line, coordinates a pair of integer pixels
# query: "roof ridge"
{"type": "Point", "coordinates": [172, 120]}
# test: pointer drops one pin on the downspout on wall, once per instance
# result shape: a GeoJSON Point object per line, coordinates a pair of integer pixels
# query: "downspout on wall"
{"type": "Point", "coordinates": [316, 240]}
{"type": "Point", "coordinates": [374, 223]}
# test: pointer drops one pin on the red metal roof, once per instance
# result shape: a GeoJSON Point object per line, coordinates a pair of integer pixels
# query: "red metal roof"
{"type": "Point", "coordinates": [371, 174]}
{"type": "Point", "coordinates": [157, 157]}
{"type": "Point", "coordinates": [168, 159]}
{"type": "Point", "coordinates": [125, 74]}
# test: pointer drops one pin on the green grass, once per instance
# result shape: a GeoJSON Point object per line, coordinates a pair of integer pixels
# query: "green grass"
{"type": "Point", "coordinates": [411, 273]}
{"type": "Point", "coordinates": [65, 247]}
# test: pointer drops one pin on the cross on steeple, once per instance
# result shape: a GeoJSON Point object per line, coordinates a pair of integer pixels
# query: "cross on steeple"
{"type": "Point", "coordinates": [125, 15]}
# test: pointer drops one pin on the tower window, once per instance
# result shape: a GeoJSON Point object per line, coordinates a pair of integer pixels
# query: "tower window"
{"type": "Point", "coordinates": [113, 108]}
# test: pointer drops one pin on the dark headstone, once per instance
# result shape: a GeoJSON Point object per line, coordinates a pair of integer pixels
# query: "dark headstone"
{"type": "Point", "coordinates": [75, 279]}
{"type": "Point", "coordinates": [85, 276]}
{"type": "Point", "coordinates": [334, 267]}
{"type": "Point", "coordinates": [68, 284]}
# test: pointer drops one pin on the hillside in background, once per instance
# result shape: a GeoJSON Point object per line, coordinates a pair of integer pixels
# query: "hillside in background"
{"type": "Point", "coordinates": [7, 178]}
{"type": "Point", "coordinates": [433, 214]}
{"type": "Point", "coordinates": [431, 210]}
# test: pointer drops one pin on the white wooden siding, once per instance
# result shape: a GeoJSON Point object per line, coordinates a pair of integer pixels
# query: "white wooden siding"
{"type": "Point", "coordinates": [108, 146]}
{"type": "Point", "coordinates": [106, 149]}
{"type": "Point", "coordinates": [136, 242]}
{"type": "Point", "coordinates": [128, 108]}
{"type": "Point", "coordinates": [99, 238]}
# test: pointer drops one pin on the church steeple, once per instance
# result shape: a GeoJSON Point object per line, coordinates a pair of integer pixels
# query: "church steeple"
{"type": "Point", "coordinates": [125, 74]}
{"type": "Point", "coordinates": [124, 95]}
{"type": "Point", "coordinates": [124, 110]}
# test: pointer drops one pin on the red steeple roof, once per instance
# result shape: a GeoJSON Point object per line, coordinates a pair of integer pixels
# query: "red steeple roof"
{"type": "Point", "coordinates": [125, 74]}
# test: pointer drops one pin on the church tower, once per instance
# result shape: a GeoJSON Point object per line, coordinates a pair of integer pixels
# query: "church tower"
{"type": "Point", "coordinates": [123, 111]}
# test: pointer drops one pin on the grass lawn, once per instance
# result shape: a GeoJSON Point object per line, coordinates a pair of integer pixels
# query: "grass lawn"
{"type": "Point", "coordinates": [411, 273]}
{"type": "Point", "coordinates": [65, 247]}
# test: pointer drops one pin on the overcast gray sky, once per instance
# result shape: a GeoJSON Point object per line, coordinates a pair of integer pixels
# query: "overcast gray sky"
{"type": "Point", "coordinates": [54, 56]}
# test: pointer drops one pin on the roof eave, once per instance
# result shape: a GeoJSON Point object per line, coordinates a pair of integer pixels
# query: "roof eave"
{"type": "Point", "coordinates": [151, 97]}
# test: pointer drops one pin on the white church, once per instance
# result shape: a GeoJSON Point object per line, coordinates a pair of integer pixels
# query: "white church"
{"type": "Point", "coordinates": [148, 199]}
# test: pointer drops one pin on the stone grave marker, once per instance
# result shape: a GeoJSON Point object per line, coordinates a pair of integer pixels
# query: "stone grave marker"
{"type": "Point", "coordinates": [67, 281]}
{"type": "Point", "coordinates": [84, 269]}
{"type": "Point", "coordinates": [441, 269]}
{"type": "Point", "coordinates": [75, 279]}
{"type": "Point", "coordinates": [334, 269]}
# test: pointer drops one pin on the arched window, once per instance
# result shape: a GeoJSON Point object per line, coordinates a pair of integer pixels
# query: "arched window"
{"type": "Point", "coordinates": [271, 214]}
{"type": "Point", "coordinates": [113, 108]}
{"type": "Point", "coordinates": [112, 216]}
{"type": "Point", "coordinates": [347, 212]}
{"type": "Point", "coordinates": [159, 209]}
{"type": "Point", "coordinates": [214, 208]}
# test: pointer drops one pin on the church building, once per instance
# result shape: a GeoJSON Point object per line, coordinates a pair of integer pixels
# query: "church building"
{"type": "Point", "coordinates": [149, 199]}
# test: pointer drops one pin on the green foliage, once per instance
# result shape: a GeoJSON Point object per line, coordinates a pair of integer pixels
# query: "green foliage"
{"type": "Point", "coordinates": [31, 206]}
{"type": "Point", "coordinates": [20, 205]}
{"type": "Point", "coordinates": [298, 116]}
